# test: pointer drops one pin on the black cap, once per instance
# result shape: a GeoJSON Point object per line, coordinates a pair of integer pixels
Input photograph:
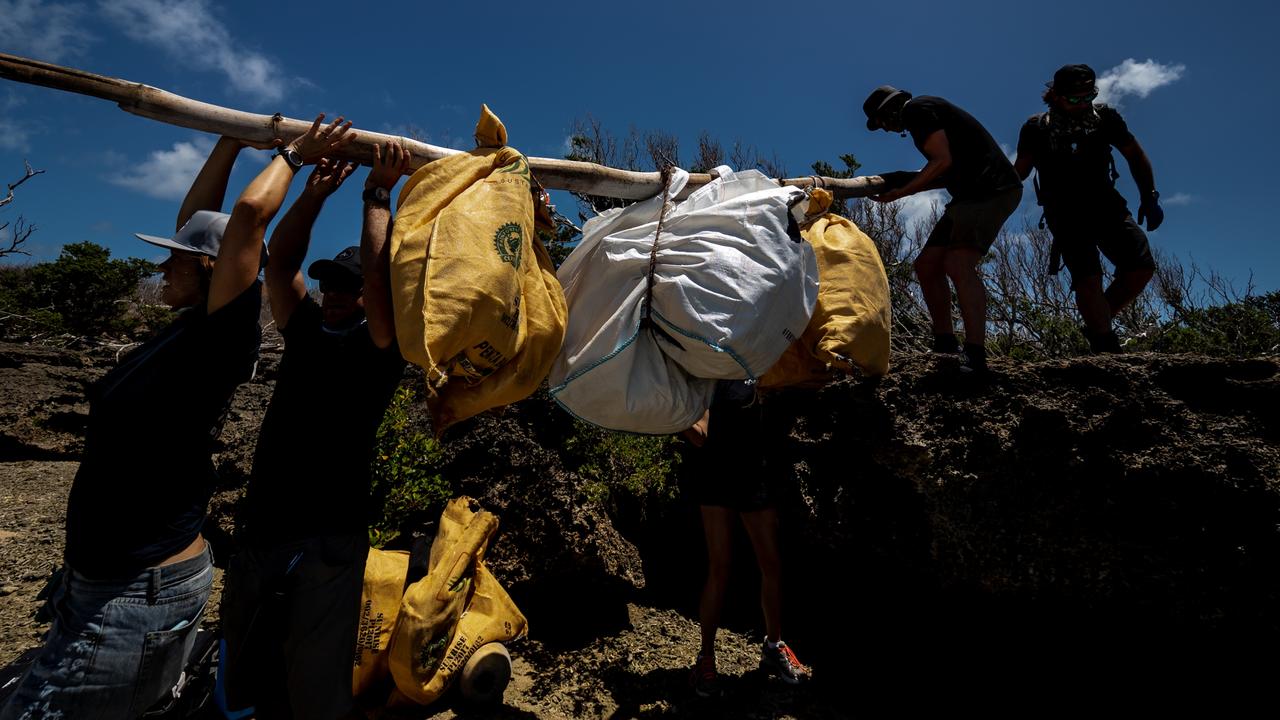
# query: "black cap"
{"type": "Point", "coordinates": [1073, 79]}
{"type": "Point", "coordinates": [877, 101]}
{"type": "Point", "coordinates": [344, 267]}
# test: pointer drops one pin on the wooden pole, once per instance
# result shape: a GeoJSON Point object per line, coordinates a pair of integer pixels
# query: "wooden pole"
{"type": "Point", "coordinates": [157, 104]}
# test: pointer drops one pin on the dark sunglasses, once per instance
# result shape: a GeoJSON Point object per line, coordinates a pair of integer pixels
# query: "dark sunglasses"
{"type": "Point", "coordinates": [1077, 99]}
{"type": "Point", "coordinates": [328, 286]}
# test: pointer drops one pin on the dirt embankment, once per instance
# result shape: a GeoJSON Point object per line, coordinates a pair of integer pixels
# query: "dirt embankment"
{"type": "Point", "coordinates": [1123, 510]}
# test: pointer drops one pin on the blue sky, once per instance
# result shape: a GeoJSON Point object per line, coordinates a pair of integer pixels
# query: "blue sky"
{"type": "Point", "coordinates": [787, 79]}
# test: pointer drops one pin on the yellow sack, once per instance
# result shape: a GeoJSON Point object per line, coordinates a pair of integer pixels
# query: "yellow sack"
{"type": "Point", "coordinates": [456, 608]}
{"type": "Point", "coordinates": [384, 576]}
{"type": "Point", "coordinates": [851, 321]}
{"type": "Point", "coordinates": [477, 304]}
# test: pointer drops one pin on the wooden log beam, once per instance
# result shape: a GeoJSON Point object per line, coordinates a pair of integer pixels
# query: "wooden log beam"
{"type": "Point", "coordinates": [167, 107]}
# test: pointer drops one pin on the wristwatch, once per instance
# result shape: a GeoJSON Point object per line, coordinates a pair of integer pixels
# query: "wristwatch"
{"type": "Point", "coordinates": [291, 156]}
{"type": "Point", "coordinates": [379, 196]}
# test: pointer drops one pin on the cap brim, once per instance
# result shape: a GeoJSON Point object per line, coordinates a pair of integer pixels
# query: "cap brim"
{"type": "Point", "coordinates": [168, 243]}
{"type": "Point", "coordinates": [326, 269]}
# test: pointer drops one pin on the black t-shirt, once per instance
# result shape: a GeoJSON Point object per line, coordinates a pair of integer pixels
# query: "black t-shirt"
{"type": "Point", "coordinates": [144, 482]}
{"type": "Point", "coordinates": [311, 468]}
{"type": "Point", "coordinates": [979, 168]}
{"type": "Point", "coordinates": [1073, 163]}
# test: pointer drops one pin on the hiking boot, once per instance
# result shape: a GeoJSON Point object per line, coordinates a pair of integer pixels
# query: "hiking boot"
{"type": "Point", "coordinates": [703, 678]}
{"type": "Point", "coordinates": [974, 359]}
{"type": "Point", "coordinates": [779, 661]}
{"type": "Point", "coordinates": [1100, 343]}
{"type": "Point", "coordinates": [946, 344]}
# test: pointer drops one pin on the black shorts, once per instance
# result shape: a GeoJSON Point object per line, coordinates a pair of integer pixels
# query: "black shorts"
{"type": "Point", "coordinates": [1079, 239]}
{"type": "Point", "coordinates": [729, 470]}
{"type": "Point", "coordinates": [974, 223]}
{"type": "Point", "coordinates": [289, 615]}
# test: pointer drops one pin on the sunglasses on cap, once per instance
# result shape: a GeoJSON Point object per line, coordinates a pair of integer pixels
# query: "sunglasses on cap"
{"type": "Point", "coordinates": [1077, 99]}
{"type": "Point", "coordinates": [330, 286]}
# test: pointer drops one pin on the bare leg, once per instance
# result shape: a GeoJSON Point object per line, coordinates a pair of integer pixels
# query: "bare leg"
{"type": "Point", "coordinates": [717, 525]}
{"type": "Point", "coordinates": [762, 528]}
{"type": "Point", "coordinates": [1125, 288]}
{"type": "Point", "coordinates": [1093, 306]}
{"type": "Point", "coordinates": [933, 285]}
{"type": "Point", "coordinates": [961, 265]}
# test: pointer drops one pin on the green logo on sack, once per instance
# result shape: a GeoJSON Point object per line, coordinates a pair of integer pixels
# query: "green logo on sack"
{"type": "Point", "coordinates": [430, 653]}
{"type": "Point", "coordinates": [509, 241]}
{"type": "Point", "coordinates": [518, 167]}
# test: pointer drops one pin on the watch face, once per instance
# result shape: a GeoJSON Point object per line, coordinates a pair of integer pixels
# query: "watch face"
{"type": "Point", "coordinates": [382, 194]}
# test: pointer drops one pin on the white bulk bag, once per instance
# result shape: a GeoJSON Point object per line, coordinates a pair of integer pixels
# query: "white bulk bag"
{"type": "Point", "coordinates": [733, 286]}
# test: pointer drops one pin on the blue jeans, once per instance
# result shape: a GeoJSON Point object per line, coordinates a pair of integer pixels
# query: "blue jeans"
{"type": "Point", "coordinates": [116, 647]}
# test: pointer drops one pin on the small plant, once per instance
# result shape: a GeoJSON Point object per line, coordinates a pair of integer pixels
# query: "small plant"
{"type": "Point", "coordinates": [407, 487]}
{"type": "Point", "coordinates": [621, 467]}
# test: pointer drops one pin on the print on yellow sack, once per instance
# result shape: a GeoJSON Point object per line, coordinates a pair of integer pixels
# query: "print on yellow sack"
{"type": "Point", "coordinates": [459, 606]}
{"type": "Point", "coordinates": [477, 304]}
{"type": "Point", "coordinates": [851, 321]}
{"type": "Point", "coordinates": [384, 576]}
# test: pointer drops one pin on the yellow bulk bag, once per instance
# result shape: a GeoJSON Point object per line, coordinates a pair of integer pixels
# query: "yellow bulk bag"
{"type": "Point", "coordinates": [476, 301]}
{"type": "Point", "coordinates": [384, 576]}
{"type": "Point", "coordinates": [457, 607]}
{"type": "Point", "coordinates": [851, 321]}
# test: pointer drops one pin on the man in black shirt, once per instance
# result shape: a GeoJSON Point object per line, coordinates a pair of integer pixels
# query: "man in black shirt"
{"type": "Point", "coordinates": [963, 158]}
{"type": "Point", "coordinates": [1069, 146]}
{"type": "Point", "coordinates": [293, 593]}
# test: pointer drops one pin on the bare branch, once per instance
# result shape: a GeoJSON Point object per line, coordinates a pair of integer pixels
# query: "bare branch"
{"type": "Point", "coordinates": [31, 172]}
{"type": "Point", "coordinates": [18, 235]}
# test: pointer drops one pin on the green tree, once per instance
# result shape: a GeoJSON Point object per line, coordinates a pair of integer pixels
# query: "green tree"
{"type": "Point", "coordinates": [84, 291]}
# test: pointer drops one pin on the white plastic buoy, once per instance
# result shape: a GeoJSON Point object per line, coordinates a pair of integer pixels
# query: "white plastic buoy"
{"type": "Point", "coordinates": [486, 675]}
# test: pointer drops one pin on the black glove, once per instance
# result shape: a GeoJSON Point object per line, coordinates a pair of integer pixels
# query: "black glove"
{"type": "Point", "coordinates": [897, 179]}
{"type": "Point", "coordinates": [1150, 211]}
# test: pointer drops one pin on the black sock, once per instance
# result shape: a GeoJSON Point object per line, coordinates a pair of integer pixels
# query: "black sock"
{"type": "Point", "coordinates": [947, 343]}
{"type": "Point", "coordinates": [1105, 342]}
{"type": "Point", "coordinates": [976, 354]}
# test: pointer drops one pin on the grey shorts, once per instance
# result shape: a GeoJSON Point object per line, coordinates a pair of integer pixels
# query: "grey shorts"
{"type": "Point", "coordinates": [1080, 238]}
{"type": "Point", "coordinates": [974, 223]}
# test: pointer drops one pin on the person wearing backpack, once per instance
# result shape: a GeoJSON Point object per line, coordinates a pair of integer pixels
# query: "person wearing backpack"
{"type": "Point", "coordinates": [1069, 146]}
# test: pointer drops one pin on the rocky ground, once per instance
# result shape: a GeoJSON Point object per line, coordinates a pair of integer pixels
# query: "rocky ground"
{"type": "Point", "coordinates": [1057, 531]}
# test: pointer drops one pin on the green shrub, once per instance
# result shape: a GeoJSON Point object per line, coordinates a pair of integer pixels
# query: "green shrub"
{"type": "Point", "coordinates": [83, 292]}
{"type": "Point", "coordinates": [407, 486]}
{"type": "Point", "coordinates": [623, 468]}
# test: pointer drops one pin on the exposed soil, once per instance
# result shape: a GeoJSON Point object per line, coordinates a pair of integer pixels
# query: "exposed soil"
{"type": "Point", "coordinates": [943, 536]}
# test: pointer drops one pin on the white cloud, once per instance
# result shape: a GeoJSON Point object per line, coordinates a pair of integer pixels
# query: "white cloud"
{"type": "Point", "coordinates": [920, 206]}
{"type": "Point", "coordinates": [1136, 78]}
{"type": "Point", "coordinates": [190, 33]}
{"type": "Point", "coordinates": [167, 174]}
{"type": "Point", "coordinates": [1178, 199]}
{"type": "Point", "coordinates": [43, 30]}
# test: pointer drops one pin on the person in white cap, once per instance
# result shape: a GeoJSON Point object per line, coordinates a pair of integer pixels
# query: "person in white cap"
{"type": "Point", "coordinates": [138, 572]}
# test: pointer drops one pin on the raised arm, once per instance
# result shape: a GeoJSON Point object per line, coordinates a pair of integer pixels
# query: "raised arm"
{"type": "Point", "coordinates": [389, 163]}
{"type": "Point", "coordinates": [292, 236]}
{"type": "Point", "coordinates": [210, 186]}
{"type": "Point", "coordinates": [240, 255]}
